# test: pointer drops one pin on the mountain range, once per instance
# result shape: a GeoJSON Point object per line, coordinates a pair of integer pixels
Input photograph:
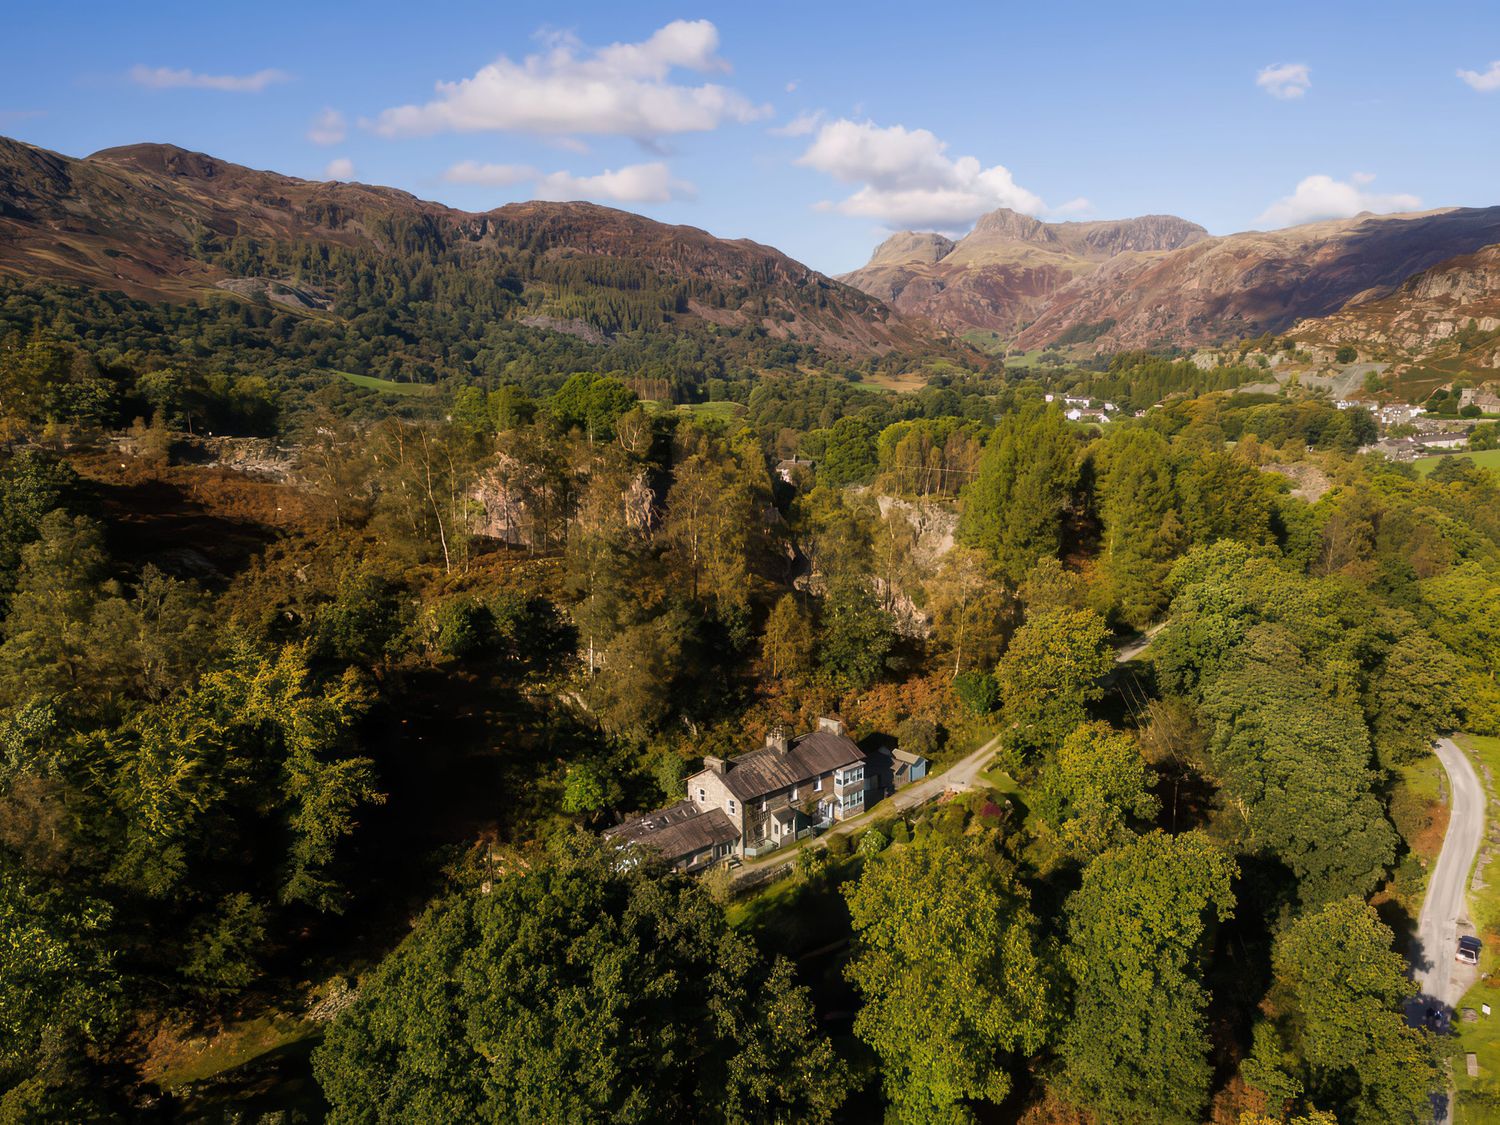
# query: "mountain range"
{"type": "Point", "coordinates": [1159, 280]}
{"type": "Point", "coordinates": [160, 223]}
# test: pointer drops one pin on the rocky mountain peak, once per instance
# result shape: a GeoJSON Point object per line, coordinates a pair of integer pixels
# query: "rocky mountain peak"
{"type": "Point", "coordinates": [912, 246]}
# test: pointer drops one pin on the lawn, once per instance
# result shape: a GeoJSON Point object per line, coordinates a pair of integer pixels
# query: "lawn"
{"type": "Point", "coordinates": [1478, 1100]}
{"type": "Point", "coordinates": [389, 386]}
{"type": "Point", "coordinates": [1484, 458]}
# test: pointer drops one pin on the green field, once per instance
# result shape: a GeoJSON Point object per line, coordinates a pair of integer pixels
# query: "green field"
{"type": "Point", "coordinates": [985, 340]}
{"type": "Point", "coordinates": [1478, 1101]}
{"type": "Point", "coordinates": [389, 386]}
{"type": "Point", "coordinates": [1484, 458]}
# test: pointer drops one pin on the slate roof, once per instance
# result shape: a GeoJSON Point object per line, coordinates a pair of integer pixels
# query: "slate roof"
{"type": "Point", "coordinates": [767, 770]}
{"type": "Point", "coordinates": [677, 831]}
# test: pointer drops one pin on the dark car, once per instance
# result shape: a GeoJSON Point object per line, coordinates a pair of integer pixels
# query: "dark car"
{"type": "Point", "coordinates": [1468, 950]}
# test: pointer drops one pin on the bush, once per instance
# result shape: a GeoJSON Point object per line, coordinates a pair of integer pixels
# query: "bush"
{"type": "Point", "coordinates": [1347, 354]}
{"type": "Point", "coordinates": [838, 845]}
{"type": "Point", "coordinates": [977, 691]}
{"type": "Point", "coordinates": [873, 842]}
{"type": "Point", "coordinates": [463, 627]}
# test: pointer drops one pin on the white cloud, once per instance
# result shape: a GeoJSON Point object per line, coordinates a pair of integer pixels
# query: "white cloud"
{"type": "Point", "coordinates": [802, 125]}
{"type": "Point", "coordinates": [1323, 197]}
{"type": "Point", "coordinates": [1285, 80]}
{"type": "Point", "coordinates": [633, 183]}
{"type": "Point", "coordinates": [1484, 81]}
{"type": "Point", "coordinates": [328, 128]}
{"type": "Point", "coordinates": [490, 175]}
{"type": "Point", "coordinates": [1079, 206]}
{"type": "Point", "coordinates": [907, 178]}
{"type": "Point", "coordinates": [341, 168]}
{"type": "Point", "coordinates": [620, 90]}
{"type": "Point", "coordinates": [166, 78]}
{"type": "Point", "coordinates": [791, 87]}
{"type": "Point", "coordinates": [1363, 178]}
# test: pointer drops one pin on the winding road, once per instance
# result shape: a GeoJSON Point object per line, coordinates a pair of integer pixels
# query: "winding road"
{"type": "Point", "coordinates": [1441, 980]}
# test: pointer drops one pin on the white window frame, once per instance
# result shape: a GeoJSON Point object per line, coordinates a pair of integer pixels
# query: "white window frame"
{"type": "Point", "coordinates": [730, 805]}
{"type": "Point", "coordinates": [702, 795]}
{"type": "Point", "coordinates": [818, 784]}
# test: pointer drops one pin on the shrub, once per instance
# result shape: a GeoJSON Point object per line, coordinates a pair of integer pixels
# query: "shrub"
{"type": "Point", "coordinates": [977, 691]}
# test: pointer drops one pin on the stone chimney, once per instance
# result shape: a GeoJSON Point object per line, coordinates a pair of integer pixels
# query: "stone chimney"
{"type": "Point", "coordinates": [717, 765]}
{"type": "Point", "coordinates": [777, 740]}
{"type": "Point", "coordinates": [830, 725]}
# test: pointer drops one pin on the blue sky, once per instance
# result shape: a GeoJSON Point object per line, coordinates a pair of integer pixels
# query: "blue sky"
{"type": "Point", "coordinates": [816, 127]}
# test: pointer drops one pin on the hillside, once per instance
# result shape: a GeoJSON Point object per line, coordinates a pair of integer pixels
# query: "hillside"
{"type": "Point", "coordinates": [1158, 281]}
{"type": "Point", "coordinates": [1449, 311]}
{"type": "Point", "coordinates": [158, 223]}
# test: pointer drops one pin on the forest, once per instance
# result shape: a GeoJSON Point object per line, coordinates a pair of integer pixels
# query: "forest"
{"type": "Point", "coordinates": [330, 741]}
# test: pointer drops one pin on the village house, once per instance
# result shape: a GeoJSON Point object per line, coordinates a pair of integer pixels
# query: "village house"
{"type": "Point", "coordinates": [781, 792]}
{"type": "Point", "coordinates": [794, 470]}
{"type": "Point", "coordinates": [1451, 439]}
{"type": "Point", "coordinates": [1482, 397]}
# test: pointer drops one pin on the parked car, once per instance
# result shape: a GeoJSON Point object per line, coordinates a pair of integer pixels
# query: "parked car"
{"type": "Point", "coordinates": [1468, 950]}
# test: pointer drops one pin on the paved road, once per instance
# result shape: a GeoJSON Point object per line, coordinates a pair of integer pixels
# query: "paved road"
{"type": "Point", "coordinates": [1445, 915]}
{"type": "Point", "coordinates": [960, 775]}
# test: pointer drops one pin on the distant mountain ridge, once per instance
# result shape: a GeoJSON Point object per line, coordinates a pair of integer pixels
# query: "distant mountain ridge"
{"type": "Point", "coordinates": [1002, 271]}
{"type": "Point", "coordinates": [161, 223]}
{"type": "Point", "coordinates": [1158, 280]}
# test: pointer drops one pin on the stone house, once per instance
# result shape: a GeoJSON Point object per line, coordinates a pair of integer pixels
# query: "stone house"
{"type": "Point", "coordinates": [753, 803]}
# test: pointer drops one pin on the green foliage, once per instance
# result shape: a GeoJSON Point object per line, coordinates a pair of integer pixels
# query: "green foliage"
{"type": "Point", "coordinates": [857, 635]}
{"type": "Point", "coordinates": [787, 644]}
{"type": "Point", "coordinates": [1050, 673]}
{"type": "Point", "coordinates": [848, 453]}
{"type": "Point", "coordinates": [1014, 509]}
{"type": "Point", "coordinates": [57, 977]}
{"type": "Point", "coordinates": [1136, 1048]}
{"type": "Point", "coordinates": [978, 691]}
{"type": "Point", "coordinates": [1347, 353]}
{"type": "Point", "coordinates": [577, 991]}
{"type": "Point", "coordinates": [947, 962]}
{"type": "Point", "coordinates": [1338, 1028]}
{"type": "Point", "coordinates": [1277, 663]}
{"type": "Point", "coordinates": [592, 403]}
{"type": "Point", "coordinates": [365, 621]}
{"type": "Point", "coordinates": [1093, 787]}
{"type": "Point", "coordinates": [31, 485]}
{"type": "Point", "coordinates": [462, 628]}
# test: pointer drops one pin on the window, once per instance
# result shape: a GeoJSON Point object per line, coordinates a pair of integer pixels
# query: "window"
{"type": "Point", "coordinates": [730, 806]}
{"type": "Point", "coordinates": [794, 792]}
{"type": "Point", "coordinates": [762, 804]}
{"type": "Point", "coordinates": [702, 797]}
{"type": "Point", "coordinates": [817, 785]}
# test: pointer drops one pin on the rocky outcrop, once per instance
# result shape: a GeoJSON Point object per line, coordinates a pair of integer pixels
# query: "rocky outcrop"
{"type": "Point", "coordinates": [1451, 306]}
